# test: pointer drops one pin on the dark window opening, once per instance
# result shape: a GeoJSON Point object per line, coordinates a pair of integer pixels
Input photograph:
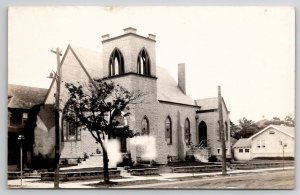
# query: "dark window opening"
{"type": "Point", "coordinates": [143, 63]}
{"type": "Point", "coordinates": [145, 126]}
{"type": "Point", "coordinates": [71, 132]}
{"type": "Point", "coordinates": [168, 130]}
{"type": "Point", "coordinates": [187, 132]}
{"type": "Point", "coordinates": [116, 63]}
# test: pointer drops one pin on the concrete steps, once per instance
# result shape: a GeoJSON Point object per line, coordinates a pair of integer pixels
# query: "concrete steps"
{"type": "Point", "coordinates": [93, 161]}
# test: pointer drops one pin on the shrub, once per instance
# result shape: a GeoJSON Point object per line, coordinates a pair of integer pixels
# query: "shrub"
{"type": "Point", "coordinates": [212, 158]}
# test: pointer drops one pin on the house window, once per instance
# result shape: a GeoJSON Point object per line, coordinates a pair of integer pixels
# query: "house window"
{"type": "Point", "coordinates": [258, 143]}
{"type": "Point", "coordinates": [247, 150]}
{"type": "Point", "coordinates": [15, 118]}
{"type": "Point", "coordinates": [219, 151]}
{"type": "Point", "coordinates": [24, 118]}
{"type": "Point", "coordinates": [71, 132]}
{"type": "Point", "coordinates": [263, 143]}
{"type": "Point", "coordinates": [271, 132]}
{"type": "Point", "coordinates": [168, 130]}
{"type": "Point", "coordinates": [116, 63]}
{"type": "Point", "coordinates": [143, 63]}
{"type": "Point", "coordinates": [145, 126]}
{"type": "Point", "coordinates": [187, 132]}
{"type": "Point", "coordinates": [241, 150]}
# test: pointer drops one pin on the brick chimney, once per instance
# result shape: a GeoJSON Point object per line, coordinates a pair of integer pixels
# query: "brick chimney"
{"type": "Point", "coordinates": [181, 77]}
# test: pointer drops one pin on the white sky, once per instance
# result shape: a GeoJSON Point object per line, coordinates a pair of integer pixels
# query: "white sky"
{"type": "Point", "coordinates": [249, 51]}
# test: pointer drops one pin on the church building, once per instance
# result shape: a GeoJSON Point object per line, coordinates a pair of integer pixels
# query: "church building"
{"type": "Point", "coordinates": [178, 124]}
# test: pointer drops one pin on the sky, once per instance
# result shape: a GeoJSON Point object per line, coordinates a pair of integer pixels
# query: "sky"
{"type": "Point", "coordinates": [248, 51]}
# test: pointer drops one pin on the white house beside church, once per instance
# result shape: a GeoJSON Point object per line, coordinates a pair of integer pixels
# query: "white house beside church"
{"type": "Point", "coordinates": [272, 141]}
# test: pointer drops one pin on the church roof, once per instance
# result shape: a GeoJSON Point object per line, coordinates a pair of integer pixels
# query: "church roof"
{"type": "Point", "coordinates": [24, 97]}
{"type": "Point", "coordinates": [207, 103]}
{"type": "Point", "coordinates": [168, 90]}
{"type": "Point", "coordinates": [91, 60]}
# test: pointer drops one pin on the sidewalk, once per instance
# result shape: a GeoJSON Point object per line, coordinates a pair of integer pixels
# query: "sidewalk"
{"type": "Point", "coordinates": [164, 177]}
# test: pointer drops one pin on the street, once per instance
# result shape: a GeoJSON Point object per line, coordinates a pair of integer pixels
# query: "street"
{"type": "Point", "coordinates": [271, 178]}
{"type": "Point", "coordinates": [265, 180]}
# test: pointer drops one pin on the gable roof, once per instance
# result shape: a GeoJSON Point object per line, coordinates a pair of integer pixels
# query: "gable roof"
{"type": "Point", "coordinates": [209, 103]}
{"type": "Point", "coordinates": [168, 90]}
{"type": "Point", "coordinates": [89, 60]}
{"type": "Point", "coordinates": [24, 97]}
{"type": "Point", "coordinates": [290, 131]}
{"type": "Point", "coordinates": [242, 143]}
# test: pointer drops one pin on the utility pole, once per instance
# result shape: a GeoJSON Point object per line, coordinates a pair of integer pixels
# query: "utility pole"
{"type": "Point", "coordinates": [57, 131]}
{"type": "Point", "coordinates": [21, 139]}
{"type": "Point", "coordinates": [221, 129]}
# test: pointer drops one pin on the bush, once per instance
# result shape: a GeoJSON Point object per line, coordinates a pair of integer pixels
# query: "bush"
{"type": "Point", "coordinates": [213, 158]}
{"type": "Point", "coordinates": [126, 161]}
{"type": "Point", "coordinates": [190, 158]}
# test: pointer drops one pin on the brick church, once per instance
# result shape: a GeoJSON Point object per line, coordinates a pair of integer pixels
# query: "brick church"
{"type": "Point", "coordinates": [168, 114]}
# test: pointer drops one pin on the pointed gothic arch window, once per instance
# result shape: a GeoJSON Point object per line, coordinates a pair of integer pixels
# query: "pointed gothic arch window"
{"type": "Point", "coordinates": [116, 63]}
{"type": "Point", "coordinates": [218, 131]}
{"type": "Point", "coordinates": [70, 129]}
{"type": "Point", "coordinates": [226, 131]}
{"type": "Point", "coordinates": [187, 132]}
{"type": "Point", "coordinates": [143, 63]}
{"type": "Point", "coordinates": [168, 130]}
{"type": "Point", "coordinates": [145, 126]}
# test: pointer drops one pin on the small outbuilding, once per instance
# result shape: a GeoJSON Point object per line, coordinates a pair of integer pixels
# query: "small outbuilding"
{"type": "Point", "coordinates": [242, 150]}
{"type": "Point", "coordinates": [272, 141]}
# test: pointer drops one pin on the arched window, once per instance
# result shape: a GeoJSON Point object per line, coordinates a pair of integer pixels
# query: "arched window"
{"type": "Point", "coordinates": [143, 63]}
{"type": "Point", "coordinates": [168, 130]}
{"type": "Point", "coordinates": [116, 63]}
{"type": "Point", "coordinates": [187, 132]}
{"type": "Point", "coordinates": [226, 131]}
{"type": "Point", "coordinates": [71, 131]}
{"type": "Point", "coordinates": [218, 131]}
{"type": "Point", "coordinates": [145, 126]}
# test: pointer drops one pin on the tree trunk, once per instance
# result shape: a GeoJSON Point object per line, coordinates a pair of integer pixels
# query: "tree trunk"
{"type": "Point", "coordinates": [105, 166]}
{"type": "Point", "coordinates": [105, 163]}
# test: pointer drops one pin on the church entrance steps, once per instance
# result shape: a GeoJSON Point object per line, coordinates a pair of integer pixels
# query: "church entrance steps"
{"type": "Point", "coordinates": [95, 160]}
{"type": "Point", "coordinates": [200, 154]}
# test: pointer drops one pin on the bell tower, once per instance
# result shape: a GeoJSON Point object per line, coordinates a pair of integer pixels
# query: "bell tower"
{"type": "Point", "coordinates": [129, 53]}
